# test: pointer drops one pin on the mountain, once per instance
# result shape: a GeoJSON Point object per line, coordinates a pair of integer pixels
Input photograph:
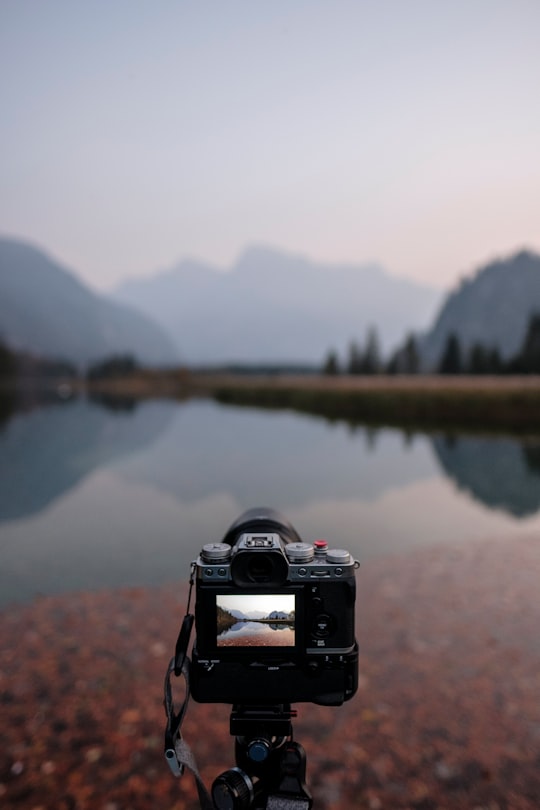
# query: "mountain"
{"type": "Point", "coordinates": [493, 308]}
{"type": "Point", "coordinates": [253, 615]}
{"type": "Point", "coordinates": [45, 310]}
{"type": "Point", "coordinates": [279, 614]}
{"type": "Point", "coordinates": [276, 307]}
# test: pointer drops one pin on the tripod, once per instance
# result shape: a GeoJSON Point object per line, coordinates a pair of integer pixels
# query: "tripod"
{"type": "Point", "coordinates": [270, 771]}
{"type": "Point", "coordinates": [270, 767]}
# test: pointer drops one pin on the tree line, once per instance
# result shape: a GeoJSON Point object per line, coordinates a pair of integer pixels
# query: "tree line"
{"type": "Point", "coordinates": [455, 359]}
{"type": "Point", "coordinates": [360, 359]}
{"type": "Point", "coordinates": [17, 364]}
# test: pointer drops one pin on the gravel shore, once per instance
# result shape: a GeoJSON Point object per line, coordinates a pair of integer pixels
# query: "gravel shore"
{"type": "Point", "coordinates": [447, 716]}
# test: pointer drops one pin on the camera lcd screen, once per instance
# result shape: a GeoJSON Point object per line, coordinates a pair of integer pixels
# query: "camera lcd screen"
{"type": "Point", "coordinates": [255, 620]}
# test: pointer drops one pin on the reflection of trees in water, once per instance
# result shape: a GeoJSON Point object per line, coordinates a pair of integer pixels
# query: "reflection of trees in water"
{"type": "Point", "coordinates": [281, 625]}
{"type": "Point", "coordinates": [254, 626]}
{"type": "Point", "coordinates": [113, 402]}
{"type": "Point", "coordinates": [257, 633]}
{"type": "Point", "coordinates": [68, 439]}
{"type": "Point", "coordinates": [7, 407]}
{"type": "Point", "coordinates": [532, 457]}
{"type": "Point", "coordinates": [22, 399]}
{"type": "Point", "coordinates": [501, 473]}
{"type": "Point", "coordinates": [227, 623]}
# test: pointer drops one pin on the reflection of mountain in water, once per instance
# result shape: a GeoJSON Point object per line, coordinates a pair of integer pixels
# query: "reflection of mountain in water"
{"type": "Point", "coordinates": [501, 473]}
{"type": "Point", "coordinates": [47, 451]}
{"type": "Point", "coordinates": [274, 457]}
{"type": "Point", "coordinates": [257, 627]}
{"type": "Point", "coordinates": [257, 634]}
{"type": "Point", "coordinates": [195, 450]}
{"type": "Point", "coordinates": [200, 449]}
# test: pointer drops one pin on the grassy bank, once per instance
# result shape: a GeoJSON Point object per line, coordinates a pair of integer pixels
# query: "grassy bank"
{"type": "Point", "coordinates": [508, 404]}
{"type": "Point", "coordinates": [495, 404]}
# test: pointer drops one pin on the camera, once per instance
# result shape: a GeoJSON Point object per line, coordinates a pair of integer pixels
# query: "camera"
{"type": "Point", "coordinates": [274, 617]}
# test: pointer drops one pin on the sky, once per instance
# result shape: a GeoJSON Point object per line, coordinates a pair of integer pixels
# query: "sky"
{"type": "Point", "coordinates": [406, 132]}
{"type": "Point", "coordinates": [257, 602]}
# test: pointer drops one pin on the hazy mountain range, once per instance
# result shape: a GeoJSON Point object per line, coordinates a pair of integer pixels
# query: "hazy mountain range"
{"type": "Point", "coordinates": [46, 310]}
{"type": "Point", "coordinates": [272, 306]}
{"type": "Point", "coordinates": [253, 614]}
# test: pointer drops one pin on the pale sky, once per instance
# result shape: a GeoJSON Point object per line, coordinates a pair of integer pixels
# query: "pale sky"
{"type": "Point", "coordinates": [260, 601]}
{"type": "Point", "coordinates": [134, 134]}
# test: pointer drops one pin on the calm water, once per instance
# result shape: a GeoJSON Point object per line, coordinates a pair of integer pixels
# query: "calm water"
{"type": "Point", "coordinates": [92, 497]}
{"type": "Point", "coordinates": [256, 634]}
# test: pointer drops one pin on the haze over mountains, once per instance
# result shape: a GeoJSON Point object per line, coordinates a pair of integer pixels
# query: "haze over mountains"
{"type": "Point", "coordinates": [274, 307]}
{"type": "Point", "coordinates": [271, 307]}
{"type": "Point", "coordinates": [47, 311]}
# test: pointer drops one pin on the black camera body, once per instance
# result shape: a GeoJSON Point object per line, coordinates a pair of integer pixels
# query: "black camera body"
{"type": "Point", "coordinates": [274, 617]}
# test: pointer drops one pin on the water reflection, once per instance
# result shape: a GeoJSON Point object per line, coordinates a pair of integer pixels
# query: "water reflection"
{"type": "Point", "coordinates": [47, 451]}
{"type": "Point", "coordinates": [93, 497]}
{"type": "Point", "coordinates": [194, 449]}
{"type": "Point", "coordinates": [257, 634]}
{"type": "Point", "coordinates": [501, 473]}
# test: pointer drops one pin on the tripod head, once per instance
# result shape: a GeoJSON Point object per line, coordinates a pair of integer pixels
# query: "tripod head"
{"type": "Point", "coordinates": [270, 767]}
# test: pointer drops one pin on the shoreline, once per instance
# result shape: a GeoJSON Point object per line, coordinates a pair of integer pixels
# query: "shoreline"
{"type": "Point", "coordinates": [503, 404]}
{"type": "Point", "coordinates": [419, 402]}
{"type": "Point", "coordinates": [447, 714]}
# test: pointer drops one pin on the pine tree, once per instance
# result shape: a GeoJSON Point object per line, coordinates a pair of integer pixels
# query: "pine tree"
{"type": "Point", "coordinates": [479, 360]}
{"type": "Point", "coordinates": [371, 361]}
{"type": "Point", "coordinates": [411, 358]}
{"type": "Point", "coordinates": [496, 365]}
{"type": "Point", "coordinates": [406, 359]}
{"type": "Point", "coordinates": [354, 364]}
{"type": "Point", "coordinates": [529, 356]}
{"type": "Point", "coordinates": [331, 364]}
{"type": "Point", "coordinates": [451, 357]}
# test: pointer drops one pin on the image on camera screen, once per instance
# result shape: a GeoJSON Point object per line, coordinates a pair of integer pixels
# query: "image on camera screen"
{"type": "Point", "coordinates": [255, 620]}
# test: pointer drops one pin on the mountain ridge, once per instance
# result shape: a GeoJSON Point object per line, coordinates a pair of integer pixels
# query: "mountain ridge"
{"type": "Point", "coordinates": [269, 307]}
{"type": "Point", "coordinates": [46, 310]}
{"type": "Point", "coordinates": [491, 307]}
{"type": "Point", "coordinates": [273, 306]}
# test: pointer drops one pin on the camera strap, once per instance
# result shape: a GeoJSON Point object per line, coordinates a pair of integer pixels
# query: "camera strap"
{"type": "Point", "coordinates": [179, 755]}
{"type": "Point", "coordinates": [177, 752]}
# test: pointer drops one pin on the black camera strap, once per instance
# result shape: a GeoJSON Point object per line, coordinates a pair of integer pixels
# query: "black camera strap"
{"type": "Point", "coordinates": [177, 752]}
{"type": "Point", "coordinates": [179, 755]}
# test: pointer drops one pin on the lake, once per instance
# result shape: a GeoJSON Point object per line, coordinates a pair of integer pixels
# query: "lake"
{"type": "Point", "coordinates": [96, 497]}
